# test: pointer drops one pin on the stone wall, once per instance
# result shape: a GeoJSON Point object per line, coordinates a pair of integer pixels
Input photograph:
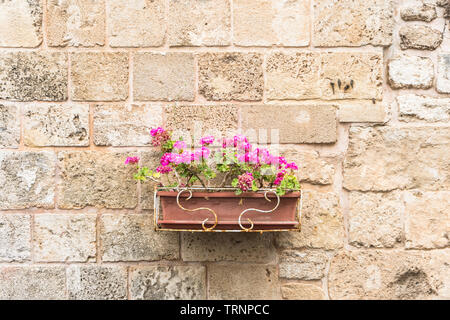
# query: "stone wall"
{"type": "Point", "coordinates": [359, 94]}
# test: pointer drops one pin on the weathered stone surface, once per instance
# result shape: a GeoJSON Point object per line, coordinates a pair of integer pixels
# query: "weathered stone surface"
{"type": "Point", "coordinates": [419, 37]}
{"type": "Point", "coordinates": [15, 237]}
{"type": "Point", "coordinates": [32, 283]}
{"type": "Point", "coordinates": [21, 23]}
{"type": "Point", "coordinates": [346, 23]}
{"type": "Point", "coordinates": [302, 291]}
{"type": "Point", "coordinates": [28, 76]}
{"type": "Point", "coordinates": [76, 23]}
{"type": "Point", "coordinates": [384, 159]}
{"type": "Point", "coordinates": [56, 125]}
{"type": "Point", "coordinates": [99, 76]}
{"type": "Point", "coordinates": [271, 22]}
{"type": "Point", "coordinates": [406, 72]}
{"type": "Point", "coordinates": [169, 76]}
{"type": "Point", "coordinates": [415, 108]}
{"type": "Point", "coordinates": [168, 283]}
{"type": "Point", "coordinates": [9, 126]}
{"type": "Point", "coordinates": [197, 23]}
{"type": "Point", "coordinates": [419, 11]}
{"type": "Point", "coordinates": [295, 124]}
{"type": "Point", "coordinates": [64, 237]}
{"type": "Point", "coordinates": [322, 224]}
{"type": "Point", "coordinates": [26, 179]}
{"type": "Point", "coordinates": [231, 76]}
{"type": "Point", "coordinates": [362, 112]}
{"type": "Point", "coordinates": [97, 282]}
{"type": "Point", "coordinates": [427, 224]}
{"type": "Point", "coordinates": [443, 74]}
{"type": "Point", "coordinates": [239, 247]}
{"type": "Point", "coordinates": [91, 178]}
{"type": "Point", "coordinates": [303, 265]}
{"type": "Point", "coordinates": [243, 282]}
{"type": "Point", "coordinates": [136, 23]}
{"type": "Point", "coordinates": [375, 219]}
{"type": "Point", "coordinates": [119, 125]}
{"type": "Point", "coordinates": [131, 237]}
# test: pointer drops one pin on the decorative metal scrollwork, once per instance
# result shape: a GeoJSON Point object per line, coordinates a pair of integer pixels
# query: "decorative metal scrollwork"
{"type": "Point", "coordinates": [197, 209]}
{"type": "Point", "coordinates": [258, 210]}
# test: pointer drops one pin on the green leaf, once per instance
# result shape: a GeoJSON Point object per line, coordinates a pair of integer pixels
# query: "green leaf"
{"type": "Point", "coordinates": [235, 182]}
{"type": "Point", "coordinates": [254, 186]}
{"type": "Point", "coordinates": [238, 191]}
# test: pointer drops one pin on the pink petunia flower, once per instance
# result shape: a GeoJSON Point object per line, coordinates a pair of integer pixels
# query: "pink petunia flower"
{"type": "Point", "coordinates": [207, 140]}
{"type": "Point", "coordinates": [180, 145]}
{"type": "Point", "coordinates": [132, 160]}
{"type": "Point", "coordinates": [163, 169]}
{"type": "Point", "coordinates": [156, 131]}
{"type": "Point", "coordinates": [245, 181]}
{"type": "Point", "coordinates": [292, 166]}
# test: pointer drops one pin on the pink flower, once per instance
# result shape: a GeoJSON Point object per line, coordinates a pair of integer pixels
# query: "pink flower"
{"type": "Point", "coordinates": [227, 143]}
{"type": "Point", "coordinates": [156, 131]}
{"type": "Point", "coordinates": [207, 140]}
{"type": "Point", "coordinates": [292, 166]}
{"type": "Point", "coordinates": [165, 159]}
{"type": "Point", "coordinates": [237, 140]}
{"type": "Point", "coordinates": [245, 181]}
{"type": "Point", "coordinates": [163, 169]}
{"type": "Point", "coordinates": [132, 160]}
{"type": "Point", "coordinates": [179, 145]}
{"type": "Point", "coordinates": [279, 178]}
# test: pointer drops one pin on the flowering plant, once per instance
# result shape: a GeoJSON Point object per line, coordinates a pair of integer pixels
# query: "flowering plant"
{"type": "Point", "coordinates": [246, 167]}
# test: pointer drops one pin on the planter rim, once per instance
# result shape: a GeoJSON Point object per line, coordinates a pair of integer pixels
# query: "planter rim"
{"type": "Point", "coordinates": [226, 193]}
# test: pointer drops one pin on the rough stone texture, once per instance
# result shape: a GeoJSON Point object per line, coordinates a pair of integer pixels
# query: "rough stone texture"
{"type": "Point", "coordinates": [21, 23]}
{"type": "Point", "coordinates": [322, 224]}
{"type": "Point", "coordinates": [169, 76]}
{"type": "Point", "coordinates": [56, 125]}
{"type": "Point", "coordinates": [231, 76]}
{"type": "Point", "coordinates": [9, 126]}
{"type": "Point", "coordinates": [303, 265]}
{"type": "Point", "coordinates": [293, 123]}
{"type": "Point", "coordinates": [96, 282]}
{"type": "Point", "coordinates": [198, 23]}
{"type": "Point", "coordinates": [389, 275]}
{"type": "Point", "coordinates": [427, 224]}
{"type": "Point", "coordinates": [15, 237]}
{"type": "Point", "coordinates": [243, 282]}
{"type": "Point", "coordinates": [99, 76]}
{"type": "Point", "coordinates": [131, 237]}
{"type": "Point", "coordinates": [385, 158]}
{"type": "Point", "coordinates": [271, 22]}
{"type": "Point", "coordinates": [443, 74]}
{"type": "Point", "coordinates": [28, 76]}
{"type": "Point", "coordinates": [418, 108]}
{"type": "Point", "coordinates": [120, 125]}
{"type": "Point", "coordinates": [375, 219]}
{"type": "Point", "coordinates": [407, 72]}
{"type": "Point", "coordinates": [249, 247]}
{"type": "Point", "coordinates": [62, 238]}
{"type": "Point", "coordinates": [346, 23]}
{"type": "Point", "coordinates": [136, 23]}
{"type": "Point", "coordinates": [302, 291]}
{"type": "Point", "coordinates": [168, 283]}
{"type": "Point", "coordinates": [76, 23]}
{"type": "Point", "coordinates": [90, 178]}
{"type": "Point", "coordinates": [362, 112]}
{"type": "Point", "coordinates": [418, 11]}
{"type": "Point", "coordinates": [419, 37]}
{"type": "Point", "coordinates": [26, 179]}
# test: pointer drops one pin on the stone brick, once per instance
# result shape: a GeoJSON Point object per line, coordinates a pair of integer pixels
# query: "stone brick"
{"type": "Point", "coordinates": [362, 112]}
{"type": "Point", "coordinates": [136, 23]}
{"type": "Point", "coordinates": [302, 291]}
{"type": "Point", "coordinates": [243, 282]}
{"type": "Point", "coordinates": [26, 179]}
{"type": "Point", "coordinates": [443, 74]}
{"type": "Point", "coordinates": [346, 23]}
{"type": "Point", "coordinates": [56, 125]}
{"type": "Point", "coordinates": [271, 22]}
{"type": "Point", "coordinates": [15, 237]}
{"type": "Point", "coordinates": [249, 247]}
{"type": "Point", "coordinates": [62, 238]}
{"type": "Point", "coordinates": [76, 23]}
{"type": "Point", "coordinates": [151, 160]}
{"type": "Point", "coordinates": [9, 126]}
{"type": "Point", "coordinates": [169, 76]}
{"type": "Point", "coordinates": [28, 76]}
{"type": "Point", "coordinates": [385, 158]}
{"type": "Point", "coordinates": [231, 76]}
{"type": "Point", "coordinates": [418, 108]}
{"type": "Point", "coordinates": [406, 72]}
{"type": "Point", "coordinates": [99, 76]}
{"type": "Point", "coordinates": [418, 11]}
{"type": "Point", "coordinates": [91, 178]}
{"type": "Point", "coordinates": [32, 283]}
{"type": "Point", "coordinates": [131, 237]}
{"type": "Point", "coordinates": [199, 23]}
{"type": "Point", "coordinates": [295, 124]}
{"type": "Point", "coordinates": [427, 224]}
{"type": "Point", "coordinates": [97, 282]}
{"type": "Point", "coordinates": [322, 224]}
{"type": "Point", "coordinates": [168, 283]}
{"type": "Point", "coordinates": [419, 37]}
{"type": "Point", "coordinates": [375, 219]}
{"type": "Point", "coordinates": [303, 265]}
{"type": "Point", "coordinates": [119, 125]}
{"type": "Point", "coordinates": [21, 23]}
